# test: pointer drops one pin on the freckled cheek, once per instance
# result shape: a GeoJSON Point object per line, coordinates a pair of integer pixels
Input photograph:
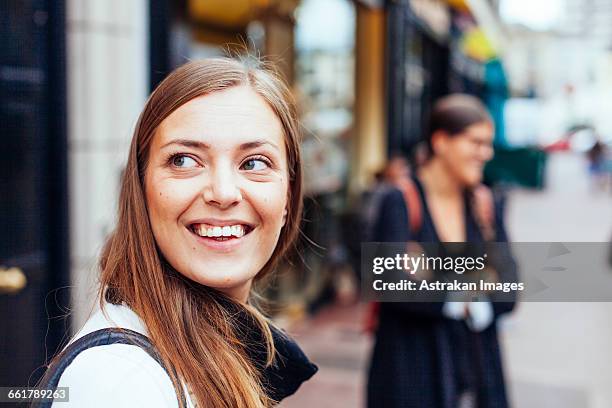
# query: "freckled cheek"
{"type": "Point", "coordinates": [169, 199]}
{"type": "Point", "coordinates": [269, 202]}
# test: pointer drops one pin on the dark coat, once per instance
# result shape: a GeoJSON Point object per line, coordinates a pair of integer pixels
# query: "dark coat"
{"type": "Point", "coordinates": [422, 359]}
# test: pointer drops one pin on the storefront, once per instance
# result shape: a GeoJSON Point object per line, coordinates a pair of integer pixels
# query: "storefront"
{"type": "Point", "coordinates": [189, 29]}
{"type": "Point", "coordinates": [436, 48]}
{"type": "Point", "coordinates": [418, 51]}
{"type": "Point", "coordinates": [33, 186]}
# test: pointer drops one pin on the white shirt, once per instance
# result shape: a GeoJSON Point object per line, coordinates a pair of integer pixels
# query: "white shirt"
{"type": "Point", "coordinates": [478, 315]}
{"type": "Point", "coordinates": [117, 375]}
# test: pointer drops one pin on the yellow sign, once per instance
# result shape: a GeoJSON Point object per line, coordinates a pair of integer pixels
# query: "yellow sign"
{"type": "Point", "coordinates": [232, 14]}
{"type": "Point", "coordinates": [476, 44]}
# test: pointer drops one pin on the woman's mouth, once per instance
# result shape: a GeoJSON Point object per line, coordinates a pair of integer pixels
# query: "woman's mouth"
{"type": "Point", "coordinates": [220, 232]}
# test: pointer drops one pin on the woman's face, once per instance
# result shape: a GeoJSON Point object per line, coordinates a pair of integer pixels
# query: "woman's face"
{"type": "Point", "coordinates": [465, 154]}
{"type": "Point", "coordinates": [216, 188]}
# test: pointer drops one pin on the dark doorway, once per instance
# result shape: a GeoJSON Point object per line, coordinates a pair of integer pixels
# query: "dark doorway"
{"type": "Point", "coordinates": [417, 75]}
{"type": "Point", "coordinates": [33, 186]}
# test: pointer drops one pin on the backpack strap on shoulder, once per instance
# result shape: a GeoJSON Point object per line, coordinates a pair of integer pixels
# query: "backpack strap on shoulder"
{"type": "Point", "coordinates": [413, 205]}
{"type": "Point", "coordinates": [102, 337]}
{"type": "Point", "coordinates": [483, 211]}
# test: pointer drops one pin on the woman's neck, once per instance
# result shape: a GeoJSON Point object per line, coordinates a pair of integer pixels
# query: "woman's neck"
{"type": "Point", "coordinates": [438, 181]}
{"type": "Point", "coordinates": [239, 293]}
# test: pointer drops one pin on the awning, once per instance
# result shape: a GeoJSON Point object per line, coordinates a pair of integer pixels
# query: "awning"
{"type": "Point", "coordinates": [228, 14]}
{"type": "Point", "coordinates": [460, 5]}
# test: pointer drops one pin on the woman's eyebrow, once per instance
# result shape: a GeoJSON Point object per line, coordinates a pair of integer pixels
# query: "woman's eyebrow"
{"type": "Point", "coordinates": [204, 146]}
{"type": "Point", "coordinates": [188, 143]}
{"type": "Point", "coordinates": [257, 143]}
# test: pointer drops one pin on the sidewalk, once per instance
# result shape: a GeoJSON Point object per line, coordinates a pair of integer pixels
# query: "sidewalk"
{"type": "Point", "coordinates": [558, 354]}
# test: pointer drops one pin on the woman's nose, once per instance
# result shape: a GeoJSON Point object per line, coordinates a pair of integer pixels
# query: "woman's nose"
{"type": "Point", "coordinates": [486, 152]}
{"type": "Point", "coordinates": [221, 189]}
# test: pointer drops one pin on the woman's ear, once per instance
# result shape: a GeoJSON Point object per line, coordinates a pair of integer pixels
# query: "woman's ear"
{"type": "Point", "coordinates": [438, 141]}
{"type": "Point", "coordinates": [284, 216]}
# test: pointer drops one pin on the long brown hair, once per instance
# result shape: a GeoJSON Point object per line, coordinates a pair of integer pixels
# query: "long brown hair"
{"type": "Point", "coordinates": [194, 331]}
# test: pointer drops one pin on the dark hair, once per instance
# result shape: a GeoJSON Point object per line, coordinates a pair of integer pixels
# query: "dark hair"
{"type": "Point", "coordinates": [455, 113]}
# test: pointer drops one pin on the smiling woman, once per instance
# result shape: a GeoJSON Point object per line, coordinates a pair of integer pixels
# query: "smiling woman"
{"type": "Point", "coordinates": [217, 189]}
{"type": "Point", "coordinates": [210, 201]}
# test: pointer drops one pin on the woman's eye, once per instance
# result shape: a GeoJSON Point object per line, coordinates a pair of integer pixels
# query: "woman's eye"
{"type": "Point", "coordinates": [255, 165]}
{"type": "Point", "coordinates": [183, 161]}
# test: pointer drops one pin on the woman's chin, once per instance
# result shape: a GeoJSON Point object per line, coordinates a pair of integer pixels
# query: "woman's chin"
{"type": "Point", "coordinates": [472, 180]}
{"type": "Point", "coordinates": [227, 280]}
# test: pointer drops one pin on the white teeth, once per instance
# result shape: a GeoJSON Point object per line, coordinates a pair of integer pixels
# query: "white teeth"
{"type": "Point", "coordinates": [217, 231]}
{"type": "Point", "coordinates": [239, 231]}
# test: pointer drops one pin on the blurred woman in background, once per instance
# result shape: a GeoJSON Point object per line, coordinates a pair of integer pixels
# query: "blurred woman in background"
{"type": "Point", "coordinates": [444, 354]}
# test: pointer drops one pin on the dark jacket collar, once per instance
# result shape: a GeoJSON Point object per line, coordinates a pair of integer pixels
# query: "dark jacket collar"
{"type": "Point", "coordinates": [290, 368]}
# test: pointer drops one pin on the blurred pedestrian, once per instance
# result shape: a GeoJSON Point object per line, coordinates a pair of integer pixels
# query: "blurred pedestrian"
{"type": "Point", "coordinates": [210, 202]}
{"type": "Point", "coordinates": [600, 165]}
{"type": "Point", "coordinates": [443, 354]}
